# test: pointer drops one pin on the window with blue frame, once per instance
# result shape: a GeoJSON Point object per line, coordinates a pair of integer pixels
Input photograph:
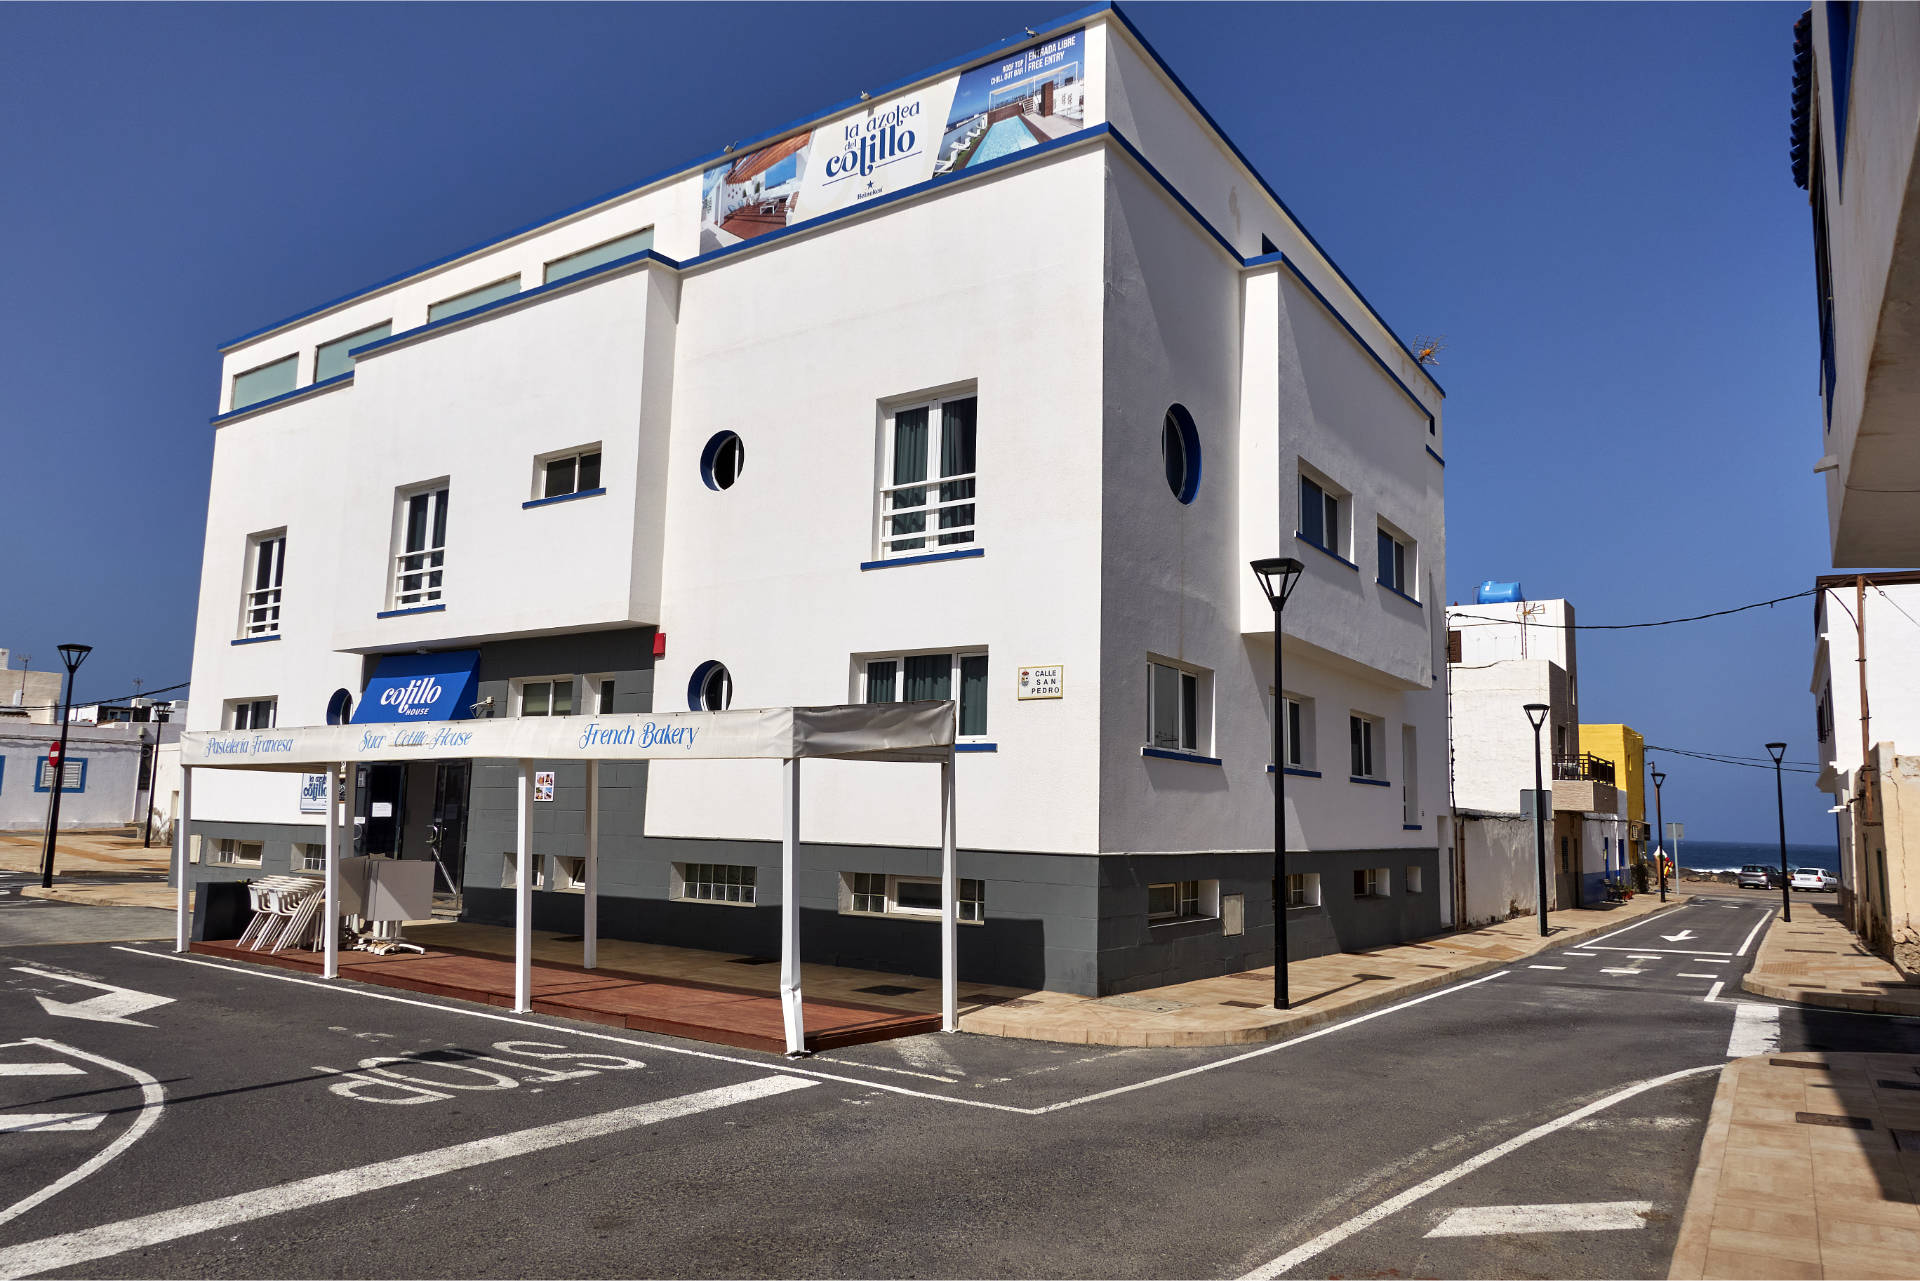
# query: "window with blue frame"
{"type": "Point", "coordinates": [1320, 515]}
{"type": "Point", "coordinates": [73, 774]}
{"type": "Point", "coordinates": [1843, 19]}
{"type": "Point", "coordinates": [908, 678]}
{"type": "Point", "coordinates": [1394, 556]}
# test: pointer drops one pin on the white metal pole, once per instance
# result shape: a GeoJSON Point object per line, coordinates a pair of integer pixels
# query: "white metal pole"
{"type": "Point", "coordinates": [349, 808]}
{"type": "Point", "coordinates": [590, 926]}
{"type": "Point", "coordinates": [790, 913]}
{"type": "Point", "coordinates": [949, 904]}
{"type": "Point", "coordinates": [523, 897]}
{"type": "Point", "coordinates": [330, 925]}
{"type": "Point", "coordinates": [180, 847]}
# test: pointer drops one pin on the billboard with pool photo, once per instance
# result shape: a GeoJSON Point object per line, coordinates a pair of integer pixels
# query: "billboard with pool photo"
{"type": "Point", "coordinates": [1017, 101]}
{"type": "Point", "coordinates": [1020, 101]}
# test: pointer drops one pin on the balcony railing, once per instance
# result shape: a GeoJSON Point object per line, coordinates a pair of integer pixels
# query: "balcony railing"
{"type": "Point", "coordinates": [263, 611]}
{"type": "Point", "coordinates": [1584, 768]}
{"type": "Point", "coordinates": [417, 576]}
{"type": "Point", "coordinates": [906, 507]}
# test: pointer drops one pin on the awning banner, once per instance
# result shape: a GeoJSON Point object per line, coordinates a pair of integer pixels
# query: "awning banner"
{"type": "Point", "coordinates": [408, 688]}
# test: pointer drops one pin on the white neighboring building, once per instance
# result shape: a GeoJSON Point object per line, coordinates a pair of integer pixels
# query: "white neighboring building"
{"type": "Point", "coordinates": [1879, 854]}
{"type": "Point", "coordinates": [778, 428]}
{"type": "Point", "coordinates": [1509, 654]}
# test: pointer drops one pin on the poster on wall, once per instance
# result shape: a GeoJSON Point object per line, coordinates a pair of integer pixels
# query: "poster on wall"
{"type": "Point", "coordinates": [1021, 100]}
{"type": "Point", "coordinates": [543, 785]}
{"type": "Point", "coordinates": [313, 793]}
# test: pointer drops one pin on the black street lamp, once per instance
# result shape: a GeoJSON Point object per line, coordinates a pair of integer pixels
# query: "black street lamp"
{"type": "Point", "coordinates": [1537, 713]}
{"type": "Point", "coordinates": [72, 656]}
{"type": "Point", "coordinates": [1659, 820]}
{"type": "Point", "coordinates": [1278, 576]}
{"type": "Point", "coordinates": [1777, 751]}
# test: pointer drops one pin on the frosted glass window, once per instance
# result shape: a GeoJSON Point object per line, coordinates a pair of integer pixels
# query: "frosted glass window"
{"type": "Point", "coordinates": [473, 298]}
{"type": "Point", "coordinates": [588, 259]}
{"type": "Point", "coordinates": [264, 383]}
{"type": "Point", "coordinates": [330, 360]}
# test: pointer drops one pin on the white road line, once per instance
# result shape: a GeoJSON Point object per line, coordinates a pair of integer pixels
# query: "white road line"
{"type": "Point", "coordinates": [1623, 971]}
{"type": "Point", "coordinates": [1640, 957]}
{"type": "Point", "coordinates": [1577, 1216]}
{"type": "Point", "coordinates": [1713, 993]}
{"type": "Point", "coordinates": [1756, 1030]}
{"type": "Point", "coordinates": [1647, 920]}
{"type": "Point", "coordinates": [1585, 956]}
{"type": "Point", "coordinates": [1393, 1205]}
{"type": "Point", "coordinates": [1546, 967]}
{"type": "Point", "coordinates": [152, 1099]}
{"type": "Point", "coordinates": [927, 1053]}
{"type": "Point", "coordinates": [1696, 976]}
{"type": "Point", "coordinates": [878, 1067]}
{"type": "Point", "coordinates": [354, 989]}
{"type": "Point", "coordinates": [47, 1122]}
{"type": "Point", "coordinates": [1668, 951]}
{"type": "Point", "coordinates": [75, 1248]}
{"type": "Point", "coordinates": [1764, 918]}
{"type": "Point", "coordinates": [41, 1069]}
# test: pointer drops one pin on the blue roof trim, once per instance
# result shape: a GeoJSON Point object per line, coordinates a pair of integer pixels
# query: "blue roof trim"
{"type": "Point", "coordinates": [564, 498]}
{"type": "Point", "coordinates": [255, 640]}
{"type": "Point", "coordinates": [976, 747]}
{"type": "Point", "coordinates": [1410, 827]}
{"type": "Point", "coordinates": [965, 554]}
{"type": "Point", "coordinates": [1161, 63]}
{"type": "Point", "coordinates": [338, 380]}
{"type": "Point", "coordinates": [1192, 758]}
{"type": "Point", "coordinates": [985, 52]}
{"type": "Point", "coordinates": [417, 609]}
{"type": "Point", "coordinates": [1127, 146]}
{"type": "Point", "coordinates": [1294, 269]}
{"type": "Point", "coordinates": [1436, 458]}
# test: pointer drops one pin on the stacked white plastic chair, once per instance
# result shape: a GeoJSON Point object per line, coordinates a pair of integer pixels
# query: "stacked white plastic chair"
{"type": "Point", "coordinates": [285, 912]}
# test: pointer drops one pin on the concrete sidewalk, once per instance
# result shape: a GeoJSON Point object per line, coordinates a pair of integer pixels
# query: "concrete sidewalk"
{"type": "Point", "coordinates": [1810, 1167]}
{"type": "Point", "coordinates": [1817, 960]}
{"type": "Point", "coordinates": [107, 853]}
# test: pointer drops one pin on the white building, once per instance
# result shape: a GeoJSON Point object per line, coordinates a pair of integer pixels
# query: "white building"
{"type": "Point", "coordinates": [1856, 123]}
{"type": "Point", "coordinates": [813, 422]}
{"type": "Point", "coordinates": [1505, 655]}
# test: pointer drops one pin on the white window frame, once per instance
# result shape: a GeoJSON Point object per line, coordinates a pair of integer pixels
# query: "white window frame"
{"type": "Point", "coordinates": [570, 873]}
{"type": "Point", "coordinates": [1413, 878]}
{"type": "Point", "coordinates": [542, 461]}
{"type": "Point", "coordinates": [587, 689]}
{"type": "Point", "coordinates": [1297, 748]}
{"type": "Point", "coordinates": [970, 908]}
{"type": "Point", "coordinates": [1409, 553]}
{"type": "Point", "coordinates": [931, 539]}
{"type": "Point", "coordinates": [260, 606]}
{"type": "Point", "coordinates": [509, 867]}
{"type": "Point", "coordinates": [1195, 688]}
{"type": "Point", "coordinates": [1340, 543]}
{"type": "Point", "coordinates": [1379, 883]}
{"type": "Point", "coordinates": [1204, 895]}
{"type": "Point", "coordinates": [231, 715]}
{"type": "Point", "coordinates": [749, 886]}
{"type": "Point", "coordinates": [427, 563]}
{"type": "Point", "coordinates": [1303, 889]}
{"type": "Point", "coordinates": [1372, 738]}
{"type": "Point", "coordinates": [862, 670]}
{"type": "Point", "coordinates": [520, 686]}
{"type": "Point", "coordinates": [358, 338]}
{"type": "Point", "coordinates": [312, 857]}
{"type": "Point", "coordinates": [230, 851]}
{"type": "Point", "coordinates": [546, 271]}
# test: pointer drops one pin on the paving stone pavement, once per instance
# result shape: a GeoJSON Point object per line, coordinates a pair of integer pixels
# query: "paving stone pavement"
{"type": "Point", "coordinates": [1816, 960]}
{"type": "Point", "coordinates": [1810, 1167]}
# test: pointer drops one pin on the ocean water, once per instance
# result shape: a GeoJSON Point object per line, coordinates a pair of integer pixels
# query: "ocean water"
{"type": "Point", "coordinates": [1731, 856]}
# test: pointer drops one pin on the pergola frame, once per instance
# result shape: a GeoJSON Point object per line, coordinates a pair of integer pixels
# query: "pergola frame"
{"type": "Point", "coordinates": [899, 732]}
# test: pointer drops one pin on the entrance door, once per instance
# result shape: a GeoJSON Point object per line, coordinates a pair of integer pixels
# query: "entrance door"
{"type": "Point", "coordinates": [1566, 867]}
{"type": "Point", "coordinates": [383, 799]}
{"type": "Point", "coordinates": [447, 837]}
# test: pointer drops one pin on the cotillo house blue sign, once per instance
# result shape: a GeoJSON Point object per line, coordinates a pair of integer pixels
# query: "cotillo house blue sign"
{"type": "Point", "coordinates": [420, 687]}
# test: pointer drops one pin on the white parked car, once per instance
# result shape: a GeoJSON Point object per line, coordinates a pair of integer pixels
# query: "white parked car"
{"type": "Point", "coordinates": [1814, 878]}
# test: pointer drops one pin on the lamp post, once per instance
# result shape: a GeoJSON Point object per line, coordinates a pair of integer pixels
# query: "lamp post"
{"type": "Point", "coordinates": [72, 656]}
{"type": "Point", "coordinates": [1278, 576]}
{"type": "Point", "coordinates": [1777, 751]}
{"type": "Point", "coordinates": [1537, 713]}
{"type": "Point", "coordinates": [1659, 845]}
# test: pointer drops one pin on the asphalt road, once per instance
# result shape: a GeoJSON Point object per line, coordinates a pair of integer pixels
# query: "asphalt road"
{"type": "Point", "coordinates": [243, 1122]}
{"type": "Point", "coordinates": [25, 921]}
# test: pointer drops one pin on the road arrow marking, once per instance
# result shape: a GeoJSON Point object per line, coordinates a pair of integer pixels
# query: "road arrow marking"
{"type": "Point", "coordinates": [1681, 937]}
{"type": "Point", "coordinates": [110, 1008]}
{"type": "Point", "coordinates": [1585, 1216]}
{"type": "Point", "coordinates": [46, 1122]}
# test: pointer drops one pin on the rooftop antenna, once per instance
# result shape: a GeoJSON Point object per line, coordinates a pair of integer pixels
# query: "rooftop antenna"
{"type": "Point", "coordinates": [1427, 348]}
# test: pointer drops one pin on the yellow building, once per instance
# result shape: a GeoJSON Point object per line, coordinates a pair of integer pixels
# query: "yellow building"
{"type": "Point", "coordinates": [1623, 745]}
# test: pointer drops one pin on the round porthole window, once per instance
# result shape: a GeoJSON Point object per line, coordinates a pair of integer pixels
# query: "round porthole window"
{"type": "Point", "coordinates": [1180, 452]}
{"type": "Point", "coordinates": [722, 461]}
{"type": "Point", "coordinates": [711, 689]}
{"type": "Point", "coordinates": [340, 707]}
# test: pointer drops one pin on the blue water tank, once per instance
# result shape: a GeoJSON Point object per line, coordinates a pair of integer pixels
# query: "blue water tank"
{"type": "Point", "coordinates": [1492, 593]}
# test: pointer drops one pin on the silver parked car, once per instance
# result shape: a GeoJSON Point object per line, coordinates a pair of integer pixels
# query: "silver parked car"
{"type": "Point", "coordinates": [1758, 876]}
{"type": "Point", "coordinates": [1814, 878]}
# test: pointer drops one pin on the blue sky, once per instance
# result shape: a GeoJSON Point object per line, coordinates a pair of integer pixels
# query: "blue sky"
{"type": "Point", "coordinates": [1592, 204]}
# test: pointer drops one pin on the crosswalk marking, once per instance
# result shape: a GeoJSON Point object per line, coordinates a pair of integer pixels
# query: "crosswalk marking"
{"type": "Point", "coordinates": [1579, 1216]}
{"type": "Point", "coordinates": [1756, 1030]}
{"type": "Point", "coordinates": [47, 1122]}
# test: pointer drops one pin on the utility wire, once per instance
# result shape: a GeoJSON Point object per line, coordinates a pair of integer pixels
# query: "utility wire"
{"type": "Point", "coordinates": [54, 707]}
{"type": "Point", "coordinates": [1797, 767]}
{"type": "Point", "coordinates": [1622, 627]}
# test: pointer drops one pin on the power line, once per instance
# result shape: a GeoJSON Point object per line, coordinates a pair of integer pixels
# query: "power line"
{"type": "Point", "coordinates": [1796, 767]}
{"type": "Point", "coordinates": [1622, 627]}
{"type": "Point", "coordinates": [54, 707]}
